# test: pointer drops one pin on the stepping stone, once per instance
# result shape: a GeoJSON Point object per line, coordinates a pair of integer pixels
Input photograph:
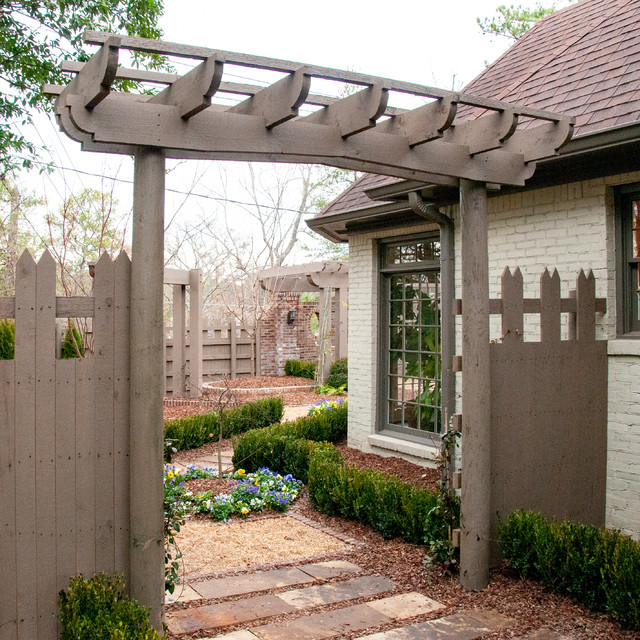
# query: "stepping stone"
{"type": "Point", "coordinates": [226, 614]}
{"type": "Point", "coordinates": [252, 582]}
{"type": "Point", "coordinates": [243, 634]}
{"type": "Point", "coordinates": [182, 593]}
{"type": "Point", "coordinates": [459, 626]}
{"type": "Point", "coordinates": [337, 592]}
{"type": "Point", "coordinates": [542, 634]}
{"type": "Point", "coordinates": [322, 625]}
{"type": "Point", "coordinates": [405, 605]}
{"type": "Point", "coordinates": [330, 569]}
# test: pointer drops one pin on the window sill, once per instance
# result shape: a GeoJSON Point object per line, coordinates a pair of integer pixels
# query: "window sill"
{"type": "Point", "coordinates": [629, 346]}
{"type": "Point", "coordinates": [390, 441]}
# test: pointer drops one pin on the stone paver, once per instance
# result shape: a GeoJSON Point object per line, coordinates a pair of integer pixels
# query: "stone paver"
{"type": "Point", "coordinates": [243, 634]}
{"type": "Point", "coordinates": [337, 592]}
{"type": "Point", "coordinates": [330, 568]}
{"type": "Point", "coordinates": [459, 626]}
{"type": "Point", "coordinates": [322, 625]}
{"type": "Point", "coordinates": [405, 605]}
{"type": "Point", "coordinates": [252, 582]}
{"type": "Point", "coordinates": [182, 593]}
{"type": "Point", "coordinates": [226, 613]}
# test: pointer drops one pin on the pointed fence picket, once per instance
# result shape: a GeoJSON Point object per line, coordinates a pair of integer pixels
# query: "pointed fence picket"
{"type": "Point", "coordinates": [64, 453]}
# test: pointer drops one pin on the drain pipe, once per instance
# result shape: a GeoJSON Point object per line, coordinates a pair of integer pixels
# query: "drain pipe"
{"type": "Point", "coordinates": [447, 286]}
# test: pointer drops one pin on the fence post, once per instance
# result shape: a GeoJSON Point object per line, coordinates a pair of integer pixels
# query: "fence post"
{"type": "Point", "coordinates": [195, 332]}
{"type": "Point", "coordinates": [233, 350]}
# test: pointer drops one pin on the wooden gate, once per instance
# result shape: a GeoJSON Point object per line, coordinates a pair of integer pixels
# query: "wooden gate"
{"type": "Point", "coordinates": [64, 445]}
{"type": "Point", "coordinates": [549, 404]}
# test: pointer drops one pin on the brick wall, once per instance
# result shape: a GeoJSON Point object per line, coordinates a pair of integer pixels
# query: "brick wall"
{"type": "Point", "coordinates": [568, 227]}
{"type": "Point", "coordinates": [280, 341]}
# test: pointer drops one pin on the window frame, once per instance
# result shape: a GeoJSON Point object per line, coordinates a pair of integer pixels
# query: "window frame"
{"type": "Point", "coordinates": [627, 304]}
{"type": "Point", "coordinates": [386, 271]}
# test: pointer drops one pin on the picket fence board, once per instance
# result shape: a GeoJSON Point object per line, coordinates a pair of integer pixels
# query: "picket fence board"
{"type": "Point", "coordinates": [25, 403]}
{"type": "Point", "coordinates": [45, 451]}
{"type": "Point", "coordinates": [8, 605]}
{"type": "Point", "coordinates": [103, 329]}
{"type": "Point", "coordinates": [120, 337]}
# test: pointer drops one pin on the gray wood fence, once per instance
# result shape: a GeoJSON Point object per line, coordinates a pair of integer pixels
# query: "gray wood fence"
{"type": "Point", "coordinates": [549, 404]}
{"type": "Point", "coordinates": [227, 351]}
{"type": "Point", "coordinates": [64, 446]}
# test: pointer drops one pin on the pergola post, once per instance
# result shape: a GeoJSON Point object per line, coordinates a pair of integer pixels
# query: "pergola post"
{"type": "Point", "coordinates": [146, 581]}
{"type": "Point", "coordinates": [476, 407]}
{"type": "Point", "coordinates": [340, 320]}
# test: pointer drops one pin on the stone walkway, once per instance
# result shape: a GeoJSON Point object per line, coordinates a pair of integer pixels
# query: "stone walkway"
{"type": "Point", "coordinates": [303, 590]}
{"type": "Point", "coordinates": [302, 594]}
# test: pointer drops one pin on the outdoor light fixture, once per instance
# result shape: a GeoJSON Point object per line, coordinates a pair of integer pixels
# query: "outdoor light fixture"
{"type": "Point", "coordinates": [291, 316]}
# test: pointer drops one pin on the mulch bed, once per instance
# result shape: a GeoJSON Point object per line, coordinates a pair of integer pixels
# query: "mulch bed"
{"type": "Point", "coordinates": [291, 397]}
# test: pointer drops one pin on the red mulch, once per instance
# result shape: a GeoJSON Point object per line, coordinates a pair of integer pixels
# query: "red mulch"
{"type": "Point", "coordinates": [291, 397]}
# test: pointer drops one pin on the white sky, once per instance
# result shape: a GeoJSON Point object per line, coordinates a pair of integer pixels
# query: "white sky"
{"type": "Point", "coordinates": [432, 43]}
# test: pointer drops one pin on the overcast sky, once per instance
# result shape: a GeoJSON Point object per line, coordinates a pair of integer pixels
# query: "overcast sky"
{"type": "Point", "coordinates": [432, 43]}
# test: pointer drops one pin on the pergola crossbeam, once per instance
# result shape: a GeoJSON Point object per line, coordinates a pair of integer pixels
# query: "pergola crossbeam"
{"type": "Point", "coordinates": [278, 102]}
{"type": "Point", "coordinates": [355, 113]}
{"type": "Point", "coordinates": [192, 92]}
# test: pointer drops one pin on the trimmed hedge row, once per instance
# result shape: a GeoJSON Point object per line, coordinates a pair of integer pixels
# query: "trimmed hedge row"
{"type": "Point", "coordinates": [287, 447]}
{"type": "Point", "coordinates": [338, 374]}
{"type": "Point", "coordinates": [381, 501]}
{"type": "Point", "coordinates": [300, 369]}
{"type": "Point", "coordinates": [601, 568]}
{"type": "Point", "coordinates": [194, 431]}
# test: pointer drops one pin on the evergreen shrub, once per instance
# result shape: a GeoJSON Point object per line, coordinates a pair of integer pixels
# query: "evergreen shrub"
{"type": "Point", "coordinates": [300, 369]}
{"type": "Point", "coordinates": [381, 501]}
{"type": "Point", "coordinates": [98, 609]}
{"type": "Point", "coordinates": [287, 443]}
{"type": "Point", "coordinates": [194, 431]}
{"type": "Point", "coordinates": [7, 339]}
{"type": "Point", "coordinates": [338, 374]}
{"type": "Point", "coordinates": [72, 346]}
{"type": "Point", "coordinates": [598, 567]}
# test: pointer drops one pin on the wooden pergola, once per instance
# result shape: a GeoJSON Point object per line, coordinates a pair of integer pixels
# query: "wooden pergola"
{"type": "Point", "coordinates": [428, 145]}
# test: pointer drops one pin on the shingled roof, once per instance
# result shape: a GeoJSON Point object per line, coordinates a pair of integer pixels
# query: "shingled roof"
{"type": "Point", "coordinates": [582, 60]}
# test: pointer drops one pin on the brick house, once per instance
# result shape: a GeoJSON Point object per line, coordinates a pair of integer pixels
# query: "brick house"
{"type": "Point", "coordinates": [581, 209]}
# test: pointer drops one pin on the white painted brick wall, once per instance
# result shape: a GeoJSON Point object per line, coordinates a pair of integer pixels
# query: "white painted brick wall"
{"type": "Point", "coordinates": [569, 227]}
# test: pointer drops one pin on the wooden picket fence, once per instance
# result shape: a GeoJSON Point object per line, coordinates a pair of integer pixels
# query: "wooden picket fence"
{"type": "Point", "coordinates": [549, 403]}
{"type": "Point", "coordinates": [64, 445]}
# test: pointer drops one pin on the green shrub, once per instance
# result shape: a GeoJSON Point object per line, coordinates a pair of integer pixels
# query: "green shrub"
{"type": "Point", "coordinates": [7, 339]}
{"type": "Point", "coordinates": [300, 369]}
{"type": "Point", "coordinates": [194, 431]}
{"type": "Point", "coordinates": [97, 609]}
{"type": "Point", "coordinates": [338, 374]}
{"type": "Point", "coordinates": [385, 503]}
{"type": "Point", "coordinates": [601, 568]}
{"type": "Point", "coordinates": [72, 346]}
{"type": "Point", "coordinates": [278, 446]}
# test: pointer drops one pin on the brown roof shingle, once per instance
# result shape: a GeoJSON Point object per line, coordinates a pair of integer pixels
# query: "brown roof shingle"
{"type": "Point", "coordinates": [583, 60]}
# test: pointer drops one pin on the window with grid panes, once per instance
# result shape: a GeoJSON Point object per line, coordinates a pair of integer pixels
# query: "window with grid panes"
{"type": "Point", "coordinates": [629, 258]}
{"type": "Point", "coordinates": [411, 380]}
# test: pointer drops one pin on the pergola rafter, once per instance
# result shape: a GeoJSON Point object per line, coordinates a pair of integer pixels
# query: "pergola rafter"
{"type": "Point", "coordinates": [428, 145]}
{"type": "Point", "coordinates": [359, 131]}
